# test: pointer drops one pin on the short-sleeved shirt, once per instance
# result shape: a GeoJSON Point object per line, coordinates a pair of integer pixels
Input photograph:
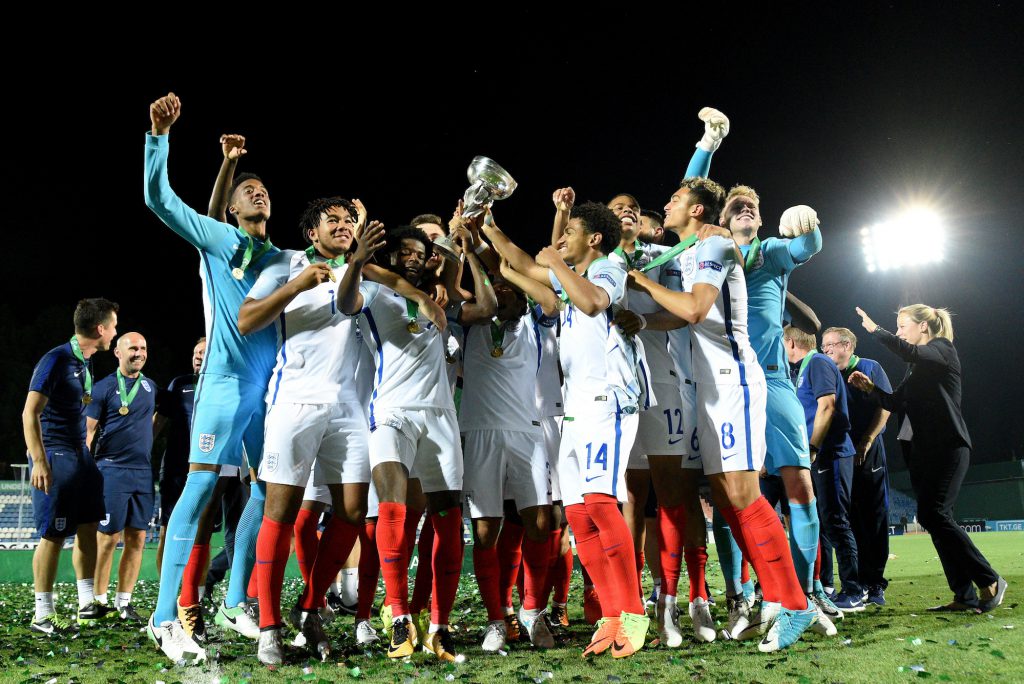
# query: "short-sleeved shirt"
{"type": "Point", "coordinates": [821, 378]}
{"type": "Point", "coordinates": [597, 360]}
{"type": "Point", "coordinates": [766, 292]}
{"type": "Point", "coordinates": [862, 408]}
{"type": "Point", "coordinates": [499, 391]}
{"type": "Point", "coordinates": [656, 342]}
{"type": "Point", "coordinates": [60, 377]}
{"type": "Point", "coordinates": [721, 353]}
{"type": "Point", "coordinates": [549, 385]}
{"type": "Point", "coordinates": [316, 362]}
{"type": "Point", "coordinates": [123, 441]}
{"type": "Point", "coordinates": [409, 367]}
{"type": "Point", "coordinates": [175, 404]}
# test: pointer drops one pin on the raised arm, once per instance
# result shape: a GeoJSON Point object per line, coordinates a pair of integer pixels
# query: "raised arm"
{"type": "Point", "coordinates": [544, 296]}
{"type": "Point", "coordinates": [584, 295]}
{"type": "Point", "coordinates": [431, 309]}
{"type": "Point", "coordinates": [350, 300]}
{"type": "Point", "coordinates": [200, 231]}
{"type": "Point", "coordinates": [485, 304]}
{"type": "Point", "coordinates": [716, 127]}
{"type": "Point", "coordinates": [563, 199]}
{"type": "Point", "coordinates": [911, 353]}
{"type": "Point", "coordinates": [520, 260]}
{"type": "Point", "coordinates": [801, 224]}
{"type": "Point", "coordinates": [233, 147]}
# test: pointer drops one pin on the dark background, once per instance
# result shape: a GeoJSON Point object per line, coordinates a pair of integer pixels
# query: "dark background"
{"type": "Point", "coordinates": [856, 114]}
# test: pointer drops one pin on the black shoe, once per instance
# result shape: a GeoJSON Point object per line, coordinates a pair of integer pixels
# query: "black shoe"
{"type": "Point", "coordinates": [93, 612]}
{"type": "Point", "coordinates": [127, 613]}
{"type": "Point", "coordinates": [54, 625]}
{"type": "Point", "coordinates": [339, 606]}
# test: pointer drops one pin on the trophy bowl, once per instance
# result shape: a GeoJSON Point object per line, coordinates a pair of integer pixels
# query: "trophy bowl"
{"type": "Point", "coordinates": [488, 182]}
{"type": "Point", "coordinates": [444, 246]}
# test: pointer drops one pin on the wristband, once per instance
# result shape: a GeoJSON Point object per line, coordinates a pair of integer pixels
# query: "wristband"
{"type": "Point", "coordinates": [643, 320]}
{"type": "Point", "coordinates": [480, 248]}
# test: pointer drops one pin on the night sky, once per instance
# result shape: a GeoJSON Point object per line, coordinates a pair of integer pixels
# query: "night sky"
{"type": "Point", "coordinates": [855, 115]}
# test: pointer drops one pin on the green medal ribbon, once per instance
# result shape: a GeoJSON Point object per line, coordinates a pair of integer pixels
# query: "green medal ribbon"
{"type": "Point", "coordinates": [854, 360]}
{"type": "Point", "coordinates": [671, 254]}
{"type": "Point", "coordinates": [497, 337]}
{"type": "Point", "coordinates": [127, 397]}
{"type": "Point", "coordinates": [412, 309]}
{"type": "Point", "coordinates": [755, 249]}
{"type": "Point", "coordinates": [77, 351]}
{"type": "Point", "coordinates": [628, 258]}
{"type": "Point", "coordinates": [803, 365]}
{"type": "Point", "coordinates": [248, 257]}
{"type": "Point", "coordinates": [312, 255]}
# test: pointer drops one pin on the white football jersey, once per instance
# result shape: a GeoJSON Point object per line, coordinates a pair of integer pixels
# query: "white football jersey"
{"type": "Point", "coordinates": [601, 366]}
{"type": "Point", "coordinates": [659, 366]}
{"type": "Point", "coordinates": [409, 365]}
{"type": "Point", "coordinates": [549, 385]}
{"type": "Point", "coordinates": [317, 358]}
{"type": "Point", "coordinates": [498, 387]}
{"type": "Point", "coordinates": [721, 351]}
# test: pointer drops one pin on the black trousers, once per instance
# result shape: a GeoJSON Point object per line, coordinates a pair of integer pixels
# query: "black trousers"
{"type": "Point", "coordinates": [833, 482]}
{"type": "Point", "coordinates": [936, 474]}
{"type": "Point", "coordinates": [869, 516]}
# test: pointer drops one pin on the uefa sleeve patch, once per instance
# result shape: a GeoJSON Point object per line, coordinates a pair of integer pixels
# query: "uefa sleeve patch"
{"type": "Point", "coordinates": [606, 276]}
{"type": "Point", "coordinates": [713, 265]}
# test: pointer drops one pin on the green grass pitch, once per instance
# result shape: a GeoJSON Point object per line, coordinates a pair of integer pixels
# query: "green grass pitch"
{"type": "Point", "coordinates": [898, 643]}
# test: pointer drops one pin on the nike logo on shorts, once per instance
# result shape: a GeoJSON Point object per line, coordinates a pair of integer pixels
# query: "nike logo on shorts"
{"type": "Point", "coordinates": [726, 458]}
{"type": "Point", "coordinates": [820, 471]}
{"type": "Point", "coordinates": [692, 458]}
{"type": "Point", "coordinates": [875, 470]}
{"type": "Point", "coordinates": [594, 477]}
{"type": "Point", "coordinates": [675, 441]}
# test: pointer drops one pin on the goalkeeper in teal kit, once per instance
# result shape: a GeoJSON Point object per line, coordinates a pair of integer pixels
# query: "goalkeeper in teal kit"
{"type": "Point", "coordinates": [767, 266]}
{"type": "Point", "coordinates": [230, 407]}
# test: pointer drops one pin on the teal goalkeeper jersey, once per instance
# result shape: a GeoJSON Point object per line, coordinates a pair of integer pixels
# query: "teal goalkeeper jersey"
{"type": "Point", "coordinates": [221, 248]}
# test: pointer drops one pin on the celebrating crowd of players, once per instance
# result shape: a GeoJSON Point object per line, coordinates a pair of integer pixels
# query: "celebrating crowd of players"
{"type": "Point", "coordinates": [607, 365]}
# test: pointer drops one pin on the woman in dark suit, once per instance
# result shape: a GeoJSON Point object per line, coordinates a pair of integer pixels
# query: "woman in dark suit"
{"type": "Point", "coordinates": [927, 404]}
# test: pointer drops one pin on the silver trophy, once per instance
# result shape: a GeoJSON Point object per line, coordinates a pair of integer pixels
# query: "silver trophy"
{"type": "Point", "coordinates": [488, 182]}
{"type": "Point", "coordinates": [445, 246]}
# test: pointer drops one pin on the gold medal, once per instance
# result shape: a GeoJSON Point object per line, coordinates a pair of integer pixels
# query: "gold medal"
{"type": "Point", "coordinates": [331, 276]}
{"type": "Point", "coordinates": [413, 327]}
{"type": "Point", "coordinates": [86, 399]}
{"type": "Point", "coordinates": [123, 410]}
{"type": "Point", "coordinates": [237, 273]}
{"type": "Point", "coordinates": [497, 352]}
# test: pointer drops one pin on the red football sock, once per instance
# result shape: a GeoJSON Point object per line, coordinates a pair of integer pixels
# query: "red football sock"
{"type": "Point", "coordinates": [306, 542]}
{"type": "Point", "coordinates": [488, 577]}
{"type": "Point", "coordinates": [510, 558]}
{"type": "Point", "coordinates": [770, 554]}
{"type": "Point", "coordinates": [253, 589]}
{"type": "Point", "coordinates": [447, 560]}
{"type": "Point", "coordinates": [198, 559]}
{"type": "Point", "coordinates": [369, 569]}
{"type": "Point", "coordinates": [536, 561]}
{"type": "Point", "coordinates": [617, 545]}
{"type": "Point", "coordinates": [412, 523]}
{"type": "Point", "coordinates": [817, 564]}
{"type": "Point", "coordinates": [593, 559]}
{"type": "Point", "coordinates": [744, 571]}
{"type": "Point", "coordinates": [639, 559]}
{"type": "Point", "coordinates": [335, 546]}
{"type": "Point", "coordinates": [272, 546]}
{"type": "Point", "coordinates": [561, 574]}
{"type": "Point", "coordinates": [392, 548]}
{"type": "Point", "coordinates": [696, 562]}
{"type": "Point", "coordinates": [671, 539]}
{"type": "Point", "coordinates": [587, 582]}
{"type": "Point", "coordinates": [424, 569]}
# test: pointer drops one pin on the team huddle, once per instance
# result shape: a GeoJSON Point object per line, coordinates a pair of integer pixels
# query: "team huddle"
{"type": "Point", "coordinates": [637, 362]}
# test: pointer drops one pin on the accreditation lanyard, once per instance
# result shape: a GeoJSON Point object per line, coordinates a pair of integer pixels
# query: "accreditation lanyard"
{"type": "Point", "coordinates": [412, 310]}
{"type": "Point", "coordinates": [755, 249]}
{"type": "Point", "coordinates": [803, 366]}
{"type": "Point", "coordinates": [77, 351]}
{"type": "Point", "coordinates": [497, 338]}
{"type": "Point", "coordinates": [854, 360]}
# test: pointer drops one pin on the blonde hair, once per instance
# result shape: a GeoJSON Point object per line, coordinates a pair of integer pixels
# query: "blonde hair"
{"type": "Point", "coordinates": [799, 337]}
{"type": "Point", "coordinates": [845, 335]}
{"type": "Point", "coordinates": [940, 321]}
{"type": "Point", "coordinates": [743, 191]}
